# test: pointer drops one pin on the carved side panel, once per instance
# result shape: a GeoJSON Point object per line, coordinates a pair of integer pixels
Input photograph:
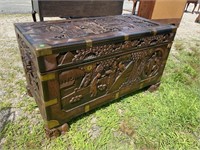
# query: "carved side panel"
{"type": "Point", "coordinates": [32, 79]}
{"type": "Point", "coordinates": [83, 84]}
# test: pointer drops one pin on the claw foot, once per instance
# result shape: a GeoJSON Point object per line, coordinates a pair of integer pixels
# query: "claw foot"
{"type": "Point", "coordinates": [154, 87]}
{"type": "Point", "coordinates": [56, 132]}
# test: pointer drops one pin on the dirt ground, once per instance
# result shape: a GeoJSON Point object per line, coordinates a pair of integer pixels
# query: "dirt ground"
{"type": "Point", "coordinates": [188, 29]}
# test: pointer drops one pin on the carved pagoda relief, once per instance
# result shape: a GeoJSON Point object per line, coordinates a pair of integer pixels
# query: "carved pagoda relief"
{"type": "Point", "coordinates": [83, 84]}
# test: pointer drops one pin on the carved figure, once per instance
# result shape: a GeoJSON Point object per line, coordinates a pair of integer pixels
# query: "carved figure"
{"type": "Point", "coordinates": [93, 85]}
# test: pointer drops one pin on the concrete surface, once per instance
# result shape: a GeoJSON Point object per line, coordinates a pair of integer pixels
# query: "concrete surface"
{"type": "Point", "coordinates": [15, 6]}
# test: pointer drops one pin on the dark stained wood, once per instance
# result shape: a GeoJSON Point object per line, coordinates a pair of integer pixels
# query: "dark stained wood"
{"type": "Point", "coordinates": [75, 66]}
{"type": "Point", "coordinates": [175, 22]}
{"type": "Point", "coordinates": [198, 19]}
{"type": "Point", "coordinates": [135, 3]}
{"type": "Point", "coordinates": [195, 2]}
{"type": "Point", "coordinates": [77, 8]}
{"type": "Point", "coordinates": [146, 8]}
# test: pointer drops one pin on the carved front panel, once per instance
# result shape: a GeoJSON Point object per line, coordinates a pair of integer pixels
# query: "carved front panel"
{"type": "Point", "coordinates": [97, 79]}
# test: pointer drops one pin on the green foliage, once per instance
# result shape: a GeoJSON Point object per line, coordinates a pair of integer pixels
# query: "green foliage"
{"type": "Point", "coordinates": [4, 105]}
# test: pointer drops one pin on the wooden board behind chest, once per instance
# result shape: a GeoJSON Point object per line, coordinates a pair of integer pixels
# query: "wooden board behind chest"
{"type": "Point", "coordinates": [76, 8]}
{"type": "Point", "coordinates": [164, 11]}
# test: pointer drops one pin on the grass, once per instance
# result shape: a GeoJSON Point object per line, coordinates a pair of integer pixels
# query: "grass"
{"type": "Point", "coordinates": [166, 119]}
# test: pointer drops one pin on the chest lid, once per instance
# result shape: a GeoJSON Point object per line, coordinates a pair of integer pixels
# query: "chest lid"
{"type": "Point", "coordinates": [53, 37]}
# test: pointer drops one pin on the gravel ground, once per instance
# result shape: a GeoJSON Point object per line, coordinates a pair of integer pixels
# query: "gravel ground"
{"type": "Point", "coordinates": [188, 30]}
{"type": "Point", "coordinates": [15, 6]}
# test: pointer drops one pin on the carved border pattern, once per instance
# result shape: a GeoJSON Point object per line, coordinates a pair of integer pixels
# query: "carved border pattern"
{"type": "Point", "coordinates": [103, 50]}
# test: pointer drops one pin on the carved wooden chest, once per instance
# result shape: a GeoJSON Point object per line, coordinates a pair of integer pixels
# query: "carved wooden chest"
{"type": "Point", "coordinates": [74, 66]}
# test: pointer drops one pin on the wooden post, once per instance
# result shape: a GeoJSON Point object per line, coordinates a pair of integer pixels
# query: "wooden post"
{"type": "Point", "coordinates": [170, 11]}
{"type": "Point", "coordinates": [198, 19]}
